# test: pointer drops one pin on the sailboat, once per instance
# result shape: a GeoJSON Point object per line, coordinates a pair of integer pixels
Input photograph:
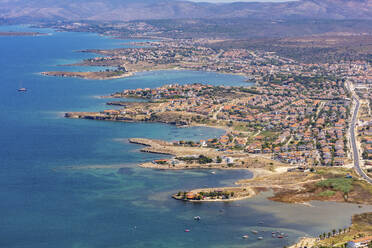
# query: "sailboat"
{"type": "Point", "coordinates": [21, 89]}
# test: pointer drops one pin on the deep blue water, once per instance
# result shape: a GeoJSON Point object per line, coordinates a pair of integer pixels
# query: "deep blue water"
{"type": "Point", "coordinates": [75, 183]}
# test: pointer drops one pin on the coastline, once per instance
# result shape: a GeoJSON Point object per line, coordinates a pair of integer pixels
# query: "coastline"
{"type": "Point", "coordinates": [86, 75]}
{"type": "Point", "coordinates": [142, 200]}
{"type": "Point", "coordinates": [238, 194]}
{"type": "Point", "coordinates": [13, 33]}
{"type": "Point", "coordinates": [135, 72]}
{"type": "Point", "coordinates": [304, 242]}
{"type": "Point", "coordinates": [139, 69]}
{"type": "Point", "coordinates": [289, 187]}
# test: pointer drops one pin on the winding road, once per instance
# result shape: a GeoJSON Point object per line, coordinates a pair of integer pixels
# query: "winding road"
{"type": "Point", "coordinates": [354, 142]}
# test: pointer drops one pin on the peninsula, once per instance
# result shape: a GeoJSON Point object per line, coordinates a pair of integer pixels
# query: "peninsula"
{"type": "Point", "coordinates": [12, 33]}
{"type": "Point", "coordinates": [287, 135]}
{"type": "Point", "coordinates": [295, 128]}
{"type": "Point", "coordinates": [96, 75]}
{"type": "Point", "coordinates": [181, 55]}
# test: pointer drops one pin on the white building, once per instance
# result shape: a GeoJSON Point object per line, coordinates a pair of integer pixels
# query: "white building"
{"type": "Point", "coordinates": [360, 243]}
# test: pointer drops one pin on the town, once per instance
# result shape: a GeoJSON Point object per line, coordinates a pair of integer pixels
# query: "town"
{"type": "Point", "coordinates": [296, 113]}
{"type": "Point", "coordinates": [278, 121]}
{"type": "Point", "coordinates": [302, 127]}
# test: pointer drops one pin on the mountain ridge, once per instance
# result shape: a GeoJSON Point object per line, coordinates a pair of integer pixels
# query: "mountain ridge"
{"type": "Point", "coordinates": [116, 10]}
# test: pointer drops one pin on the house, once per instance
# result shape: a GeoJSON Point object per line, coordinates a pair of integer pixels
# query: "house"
{"type": "Point", "coordinates": [339, 161]}
{"type": "Point", "coordinates": [203, 143]}
{"type": "Point", "coordinates": [229, 160]}
{"type": "Point", "coordinates": [369, 148]}
{"type": "Point", "coordinates": [359, 243]}
{"type": "Point", "coordinates": [368, 140]}
{"type": "Point", "coordinates": [191, 195]}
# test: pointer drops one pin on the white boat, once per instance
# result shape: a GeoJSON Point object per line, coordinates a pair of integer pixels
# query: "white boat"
{"type": "Point", "coordinates": [21, 88]}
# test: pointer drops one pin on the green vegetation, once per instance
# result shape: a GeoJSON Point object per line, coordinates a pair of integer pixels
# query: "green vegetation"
{"type": "Point", "coordinates": [339, 184]}
{"type": "Point", "coordinates": [327, 193]}
{"type": "Point", "coordinates": [201, 159]}
{"type": "Point", "coordinates": [217, 194]}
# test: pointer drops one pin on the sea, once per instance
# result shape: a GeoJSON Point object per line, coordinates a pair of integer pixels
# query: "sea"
{"type": "Point", "coordinates": [76, 184]}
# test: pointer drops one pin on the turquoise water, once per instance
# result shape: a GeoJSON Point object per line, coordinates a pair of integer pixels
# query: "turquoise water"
{"type": "Point", "coordinates": [75, 183]}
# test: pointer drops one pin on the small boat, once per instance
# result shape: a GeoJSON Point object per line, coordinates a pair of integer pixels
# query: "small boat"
{"type": "Point", "coordinates": [213, 172]}
{"type": "Point", "coordinates": [260, 238]}
{"type": "Point", "coordinates": [187, 230]}
{"type": "Point", "coordinates": [197, 218]}
{"type": "Point", "coordinates": [21, 88]}
{"type": "Point", "coordinates": [254, 231]}
{"type": "Point", "coordinates": [245, 236]}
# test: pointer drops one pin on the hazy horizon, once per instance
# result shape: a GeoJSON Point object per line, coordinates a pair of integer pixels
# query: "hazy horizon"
{"type": "Point", "coordinates": [232, 1]}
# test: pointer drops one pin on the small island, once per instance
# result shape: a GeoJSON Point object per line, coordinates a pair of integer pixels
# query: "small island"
{"type": "Point", "coordinates": [215, 194]}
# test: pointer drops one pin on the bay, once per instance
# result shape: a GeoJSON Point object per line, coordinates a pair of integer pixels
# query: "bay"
{"type": "Point", "coordinates": [75, 183]}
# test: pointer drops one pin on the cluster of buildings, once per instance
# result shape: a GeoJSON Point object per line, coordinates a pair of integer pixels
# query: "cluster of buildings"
{"type": "Point", "coordinates": [363, 88]}
{"type": "Point", "coordinates": [292, 123]}
{"type": "Point", "coordinates": [364, 242]}
{"type": "Point", "coordinates": [194, 55]}
{"type": "Point", "coordinates": [296, 113]}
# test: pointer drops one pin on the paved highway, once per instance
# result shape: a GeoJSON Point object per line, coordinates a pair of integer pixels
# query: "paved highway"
{"type": "Point", "coordinates": [354, 142]}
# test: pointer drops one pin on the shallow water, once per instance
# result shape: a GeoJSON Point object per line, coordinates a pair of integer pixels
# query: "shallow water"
{"type": "Point", "coordinates": [52, 197]}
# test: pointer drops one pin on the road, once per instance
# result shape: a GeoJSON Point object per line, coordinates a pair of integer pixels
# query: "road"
{"type": "Point", "coordinates": [354, 142]}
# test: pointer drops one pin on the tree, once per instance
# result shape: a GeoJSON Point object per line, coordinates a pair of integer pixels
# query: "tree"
{"type": "Point", "coordinates": [218, 160]}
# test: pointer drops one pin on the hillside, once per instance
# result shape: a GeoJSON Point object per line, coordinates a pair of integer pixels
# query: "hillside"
{"type": "Point", "coordinates": [116, 10]}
